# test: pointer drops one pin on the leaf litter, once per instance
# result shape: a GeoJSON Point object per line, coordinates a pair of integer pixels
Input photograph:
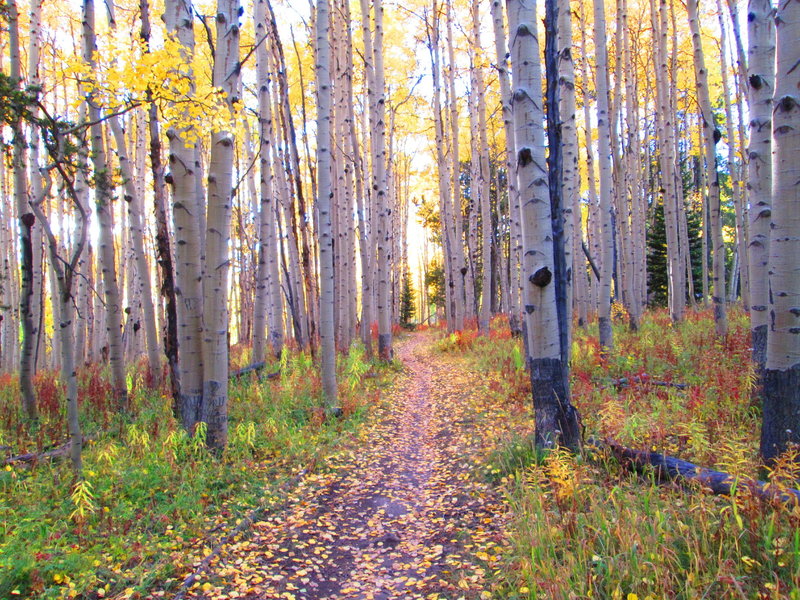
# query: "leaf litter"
{"type": "Point", "coordinates": [403, 512]}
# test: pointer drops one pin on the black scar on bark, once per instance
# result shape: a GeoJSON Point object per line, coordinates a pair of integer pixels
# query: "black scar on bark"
{"type": "Point", "coordinates": [542, 277]}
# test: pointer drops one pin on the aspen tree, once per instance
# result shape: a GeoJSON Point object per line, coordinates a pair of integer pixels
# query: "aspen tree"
{"type": "Point", "coordinates": [220, 196]}
{"type": "Point", "coordinates": [734, 171]}
{"type": "Point", "coordinates": [444, 174]}
{"type": "Point", "coordinates": [103, 203]}
{"type": "Point", "coordinates": [463, 294]}
{"type": "Point", "coordinates": [710, 137]}
{"type": "Point", "coordinates": [25, 224]}
{"type": "Point", "coordinates": [164, 255]}
{"type": "Point", "coordinates": [187, 205]}
{"type": "Point", "coordinates": [606, 191]}
{"type": "Point", "coordinates": [501, 52]}
{"type": "Point", "coordinates": [134, 201]}
{"type": "Point", "coordinates": [781, 384]}
{"type": "Point", "coordinates": [483, 184]}
{"type": "Point", "coordinates": [556, 419]}
{"type": "Point", "coordinates": [665, 132]}
{"type": "Point", "coordinates": [362, 186]}
{"type": "Point", "coordinates": [569, 152]}
{"type": "Point", "coordinates": [325, 191]}
{"type": "Point", "coordinates": [761, 52]}
{"type": "Point", "coordinates": [268, 309]}
{"type": "Point", "coordinates": [65, 270]}
{"type": "Point", "coordinates": [383, 201]}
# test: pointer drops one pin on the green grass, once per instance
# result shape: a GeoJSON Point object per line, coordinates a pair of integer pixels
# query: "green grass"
{"type": "Point", "coordinates": [152, 492]}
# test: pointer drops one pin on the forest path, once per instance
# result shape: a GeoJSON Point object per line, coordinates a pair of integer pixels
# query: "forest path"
{"type": "Point", "coordinates": [400, 514]}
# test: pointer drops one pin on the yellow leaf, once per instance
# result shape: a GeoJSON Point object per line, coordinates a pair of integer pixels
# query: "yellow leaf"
{"type": "Point", "coordinates": [206, 587]}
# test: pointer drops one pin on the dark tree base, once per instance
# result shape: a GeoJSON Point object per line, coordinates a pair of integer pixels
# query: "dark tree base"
{"type": "Point", "coordinates": [606, 335]}
{"type": "Point", "coordinates": [557, 421]}
{"type": "Point", "coordinates": [781, 425]}
{"type": "Point", "coordinates": [385, 346]}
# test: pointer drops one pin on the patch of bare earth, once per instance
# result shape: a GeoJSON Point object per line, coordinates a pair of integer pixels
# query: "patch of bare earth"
{"type": "Point", "coordinates": [400, 515]}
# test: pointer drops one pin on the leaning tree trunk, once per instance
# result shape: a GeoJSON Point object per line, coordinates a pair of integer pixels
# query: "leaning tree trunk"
{"type": "Point", "coordinates": [218, 223]}
{"type": "Point", "coordinates": [761, 34]}
{"type": "Point", "coordinates": [65, 271]}
{"type": "Point", "coordinates": [556, 419]}
{"type": "Point", "coordinates": [781, 426]}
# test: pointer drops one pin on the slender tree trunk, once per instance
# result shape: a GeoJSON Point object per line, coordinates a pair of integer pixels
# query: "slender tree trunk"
{"type": "Point", "coordinates": [501, 51]}
{"type": "Point", "coordinates": [710, 136]}
{"type": "Point", "coordinates": [606, 191]}
{"type": "Point", "coordinates": [781, 425]}
{"type": "Point", "coordinates": [103, 202]}
{"type": "Point", "coordinates": [268, 308]}
{"type": "Point", "coordinates": [25, 224]}
{"type": "Point", "coordinates": [137, 239]}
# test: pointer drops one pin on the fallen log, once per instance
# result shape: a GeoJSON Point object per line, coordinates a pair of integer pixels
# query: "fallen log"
{"type": "Point", "coordinates": [31, 457]}
{"type": "Point", "coordinates": [625, 382]}
{"type": "Point", "coordinates": [671, 469]}
{"type": "Point", "coordinates": [254, 368]}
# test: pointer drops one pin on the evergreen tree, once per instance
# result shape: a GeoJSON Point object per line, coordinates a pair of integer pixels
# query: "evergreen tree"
{"type": "Point", "coordinates": [407, 310]}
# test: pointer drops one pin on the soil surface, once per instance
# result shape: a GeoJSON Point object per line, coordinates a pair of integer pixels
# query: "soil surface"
{"type": "Point", "coordinates": [401, 514]}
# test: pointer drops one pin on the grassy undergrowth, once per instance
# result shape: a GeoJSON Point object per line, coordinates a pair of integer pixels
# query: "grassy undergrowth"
{"type": "Point", "coordinates": [152, 494]}
{"type": "Point", "coordinates": [585, 527]}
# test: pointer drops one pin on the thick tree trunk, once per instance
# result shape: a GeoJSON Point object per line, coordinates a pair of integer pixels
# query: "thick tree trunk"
{"type": "Point", "coordinates": [556, 420]}
{"type": "Point", "coordinates": [761, 34]}
{"type": "Point", "coordinates": [325, 191]}
{"type": "Point", "coordinates": [187, 207]}
{"type": "Point", "coordinates": [781, 426]}
{"type": "Point", "coordinates": [220, 197]}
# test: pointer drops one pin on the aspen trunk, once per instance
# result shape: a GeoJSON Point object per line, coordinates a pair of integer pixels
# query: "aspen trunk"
{"type": "Point", "coordinates": [710, 137]}
{"type": "Point", "coordinates": [26, 220]}
{"type": "Point", "coordinates": [781, 383]}
{"type": "Point", "coordinates": [137, 239]}
{"type": "Point", "coordinates": [513, 289]}
{"type": "Point", "coordinates": [325, 191]}
{"type": "Point", "coordinates": [103, 203]}
{"type": "Point", "coordinates": [606, 191]}
{"type": "Point", "coordinates": [220, 197]}
{"type": "Point", "coordinates": [187, 206]}
{"type": "Point", "coordinates": [761, 51]}
{"type": "Point", "coordinates": [556, 420]}
{"type": "Point", "coordinates": [268, 308]}
{"type": "Point", "coordinates": [569, 156]}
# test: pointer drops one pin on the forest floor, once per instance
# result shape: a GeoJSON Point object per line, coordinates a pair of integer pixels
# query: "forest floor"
{"type": "Point", "coordinates": [403, 513]}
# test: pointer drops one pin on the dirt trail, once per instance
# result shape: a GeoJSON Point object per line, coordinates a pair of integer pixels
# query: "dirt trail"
{"type": "Point", "coordinates": [400, 516]}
